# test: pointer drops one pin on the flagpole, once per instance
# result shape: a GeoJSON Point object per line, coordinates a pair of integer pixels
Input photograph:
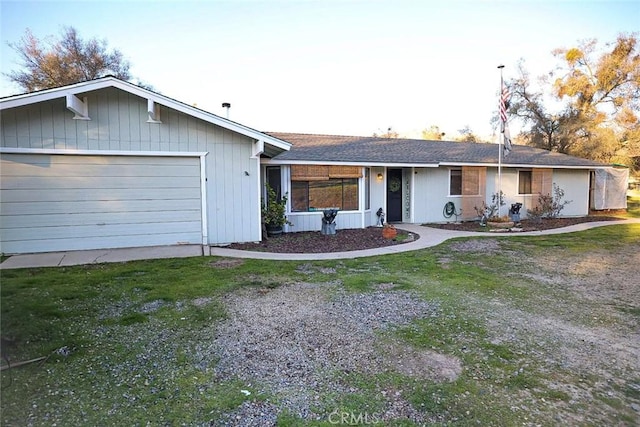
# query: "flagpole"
{"type": "Point", "coordinates": [500, 143]}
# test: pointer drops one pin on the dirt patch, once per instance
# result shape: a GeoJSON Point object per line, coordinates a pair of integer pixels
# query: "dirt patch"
{"type": "Point", "coordinates": [585, 329]}
{"type": "Point", "coordinates": [476, 245]}
{"type": "Point", "coordinates": [308, 268]}
{"type": "Point", "coordinates": [226, 263]}
{"type": "Point", "coordinates": [424, 364]}
{"type": "Point", "coordinates": [200, 302]}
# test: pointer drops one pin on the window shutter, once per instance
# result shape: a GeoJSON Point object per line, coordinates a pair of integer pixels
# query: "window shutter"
{"type": "Point", "coordinates": [345, 172]}
{"type": "Point", "coordinates": [309, 173]}
{"type": "Point", "coordinates": [541, 181]}
{"type": "Point", "coordinates": [323, 172]}
{"type": "Point", "coordinates": [474, 188]}
{"type": "Point", "coordinates": [470, 181]}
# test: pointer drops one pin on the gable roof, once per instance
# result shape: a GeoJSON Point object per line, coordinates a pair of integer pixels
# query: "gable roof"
{"type": "Point", "coordinates": [375, 151]}
{"type": "Point", "coordinates": [276, 145]}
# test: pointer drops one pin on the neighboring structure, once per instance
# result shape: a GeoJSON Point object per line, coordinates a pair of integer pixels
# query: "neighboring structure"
{"type": "Point", "coordinates": [107, 164]}
{"type": "Point", "coordinates": [412, 180]}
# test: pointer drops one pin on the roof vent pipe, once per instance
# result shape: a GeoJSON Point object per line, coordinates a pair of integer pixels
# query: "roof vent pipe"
{"type": "Point", "coordinates": [227, 106]}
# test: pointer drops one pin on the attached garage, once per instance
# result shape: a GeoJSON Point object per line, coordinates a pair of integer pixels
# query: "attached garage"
{"type": "Point", "coordinates": [106, 164]}
{"type": "Point", "coordinates": [60, 202]}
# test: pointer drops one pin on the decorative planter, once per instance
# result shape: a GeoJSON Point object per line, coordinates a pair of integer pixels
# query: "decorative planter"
{"type": "Point", "coordinates": [274, 230]}
{"type": "Point", "coordinates": [389, 232]}
{"type": "Point", "coordinates": [507, 224]}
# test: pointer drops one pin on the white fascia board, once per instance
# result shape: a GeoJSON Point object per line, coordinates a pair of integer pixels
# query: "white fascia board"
{"type": "Point", "coordinates": [9, 150]}
{"type": "Point", "coordinates": [106, 82]}
{"type": "Point", "coordinates": [55, 93]}
{"type": "Point", "coordinates": [520, 165]}
{"type": "Point", "coordinates": [335, 163]}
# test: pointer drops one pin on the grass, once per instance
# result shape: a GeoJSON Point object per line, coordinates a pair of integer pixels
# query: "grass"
{"type": "Point", "coordinates": [633, 205]}
{"type": "Point", "coordinates": [112, 316]}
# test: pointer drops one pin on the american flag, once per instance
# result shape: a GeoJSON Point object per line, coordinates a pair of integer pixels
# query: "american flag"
{"type": "Point", "coordinates": [504, 102]}
{"type": "Point", "coordinates": [507, 138]}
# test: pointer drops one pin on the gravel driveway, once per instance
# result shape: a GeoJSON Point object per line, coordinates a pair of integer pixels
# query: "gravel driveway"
{"type": "Point", "coordinates": [295, 341]}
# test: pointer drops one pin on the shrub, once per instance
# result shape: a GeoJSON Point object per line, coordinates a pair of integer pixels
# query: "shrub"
{"type": "Point", "coordinates": [490, 212]}
{"type": "Point", "coordinates": [549, 206]}
{"type": "Point", "coordinates": [273, 210]}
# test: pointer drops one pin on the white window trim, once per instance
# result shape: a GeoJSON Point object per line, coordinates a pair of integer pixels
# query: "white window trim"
{"type": "Point", "coordinates": [531, 182]}
{"type": "Point", "coordinates": [449, 176]}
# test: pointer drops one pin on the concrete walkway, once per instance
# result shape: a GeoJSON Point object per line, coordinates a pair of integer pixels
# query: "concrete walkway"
{"type": "Point", "coordinates": [428, 237]}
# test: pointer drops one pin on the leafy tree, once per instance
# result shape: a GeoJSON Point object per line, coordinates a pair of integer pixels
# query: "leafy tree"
{"type": "Point", "coordinates": [54, 63]}
{"type": "Point", "coordinates": [433, 133]}
{"type": "Point", "coordinates": [598, 97]}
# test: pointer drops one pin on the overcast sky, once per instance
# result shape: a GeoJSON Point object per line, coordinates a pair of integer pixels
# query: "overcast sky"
{"type": "Point", "coordinates": [330, 67]}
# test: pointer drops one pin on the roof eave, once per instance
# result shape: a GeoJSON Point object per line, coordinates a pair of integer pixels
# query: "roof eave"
{"type": "Point", "coordinates": [106, 82]}
{"type": "Point", "coordinates": [354, 163]}
{"type": "Point", "coordinates": [525, 165]}
{"type": "Point", "coordinates": [427, 165]}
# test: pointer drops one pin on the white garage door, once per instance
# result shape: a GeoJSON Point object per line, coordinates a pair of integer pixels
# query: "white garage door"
{"type": "Point", "coordinates": [72, 202]}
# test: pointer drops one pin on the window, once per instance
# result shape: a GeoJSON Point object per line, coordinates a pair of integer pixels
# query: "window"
{"type": "Point", "coordinates": [455, 182]}
{"type": "Point", "coordinates": [274, 181]}
{"type": "Point", "coordinates": [317, 187]}
{"type": "Point", "coordinates": [341, 193]}
{"type": "Point", "coordinates": [524, 182]}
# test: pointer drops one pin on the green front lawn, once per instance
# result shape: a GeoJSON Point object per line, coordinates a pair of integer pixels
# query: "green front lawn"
{"type": "Point", "coordinates": [121, 338]}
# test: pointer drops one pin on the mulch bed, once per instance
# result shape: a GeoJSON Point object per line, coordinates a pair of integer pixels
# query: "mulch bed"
{"type": "Point", "coordinates": [527, 224]}
{"type": "Point", "coordinates": [314, 242]}
{"type": "Point", "coordinates": [369, 238]}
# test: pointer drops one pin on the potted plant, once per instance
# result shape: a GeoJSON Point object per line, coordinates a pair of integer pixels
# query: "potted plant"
{"type": "Point", "coordinates": [273, 213]}
{"type": "Point", "coordinates": [489, 214]}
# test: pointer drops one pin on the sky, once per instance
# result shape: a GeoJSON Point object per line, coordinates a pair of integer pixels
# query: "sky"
{"type": "Point", "coordinates": [328, 67]}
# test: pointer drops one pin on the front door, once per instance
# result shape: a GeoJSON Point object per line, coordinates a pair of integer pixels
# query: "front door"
{"type": "Point", "coordinates": [394, 195]}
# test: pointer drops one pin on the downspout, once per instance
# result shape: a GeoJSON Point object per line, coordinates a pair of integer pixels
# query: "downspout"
{"type": "Point", "coordinates": [362, 186]}
{"type": "Point", "coordinates": [206, 249]}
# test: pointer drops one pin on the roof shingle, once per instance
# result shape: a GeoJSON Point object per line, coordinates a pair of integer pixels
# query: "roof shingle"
{"type": "Point", "coordinates": [375, 150]}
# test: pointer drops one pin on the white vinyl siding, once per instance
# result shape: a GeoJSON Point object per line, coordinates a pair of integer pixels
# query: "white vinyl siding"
{"type": "Point", "coordinates": [73, 202]}
{"type": "Point", "coordinates": [118, 123]}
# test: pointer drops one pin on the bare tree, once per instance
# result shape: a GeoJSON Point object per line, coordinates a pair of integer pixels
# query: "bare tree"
{"type": "Point", "coordinates": [467, 135]}
{"type": "Point", "coordinates": [54, 63]}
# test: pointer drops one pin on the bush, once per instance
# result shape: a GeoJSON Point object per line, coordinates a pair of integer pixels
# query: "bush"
{"type": "Point", "coordinates": [273, 210]}
{"type": "Point", "coordinates": [549, 206]}
{"type": "Point", "coordinates": [490, 212]}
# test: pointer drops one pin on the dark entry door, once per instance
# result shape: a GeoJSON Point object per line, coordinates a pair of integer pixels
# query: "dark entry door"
{"type": "Point", "coordinates": [394, 195]}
